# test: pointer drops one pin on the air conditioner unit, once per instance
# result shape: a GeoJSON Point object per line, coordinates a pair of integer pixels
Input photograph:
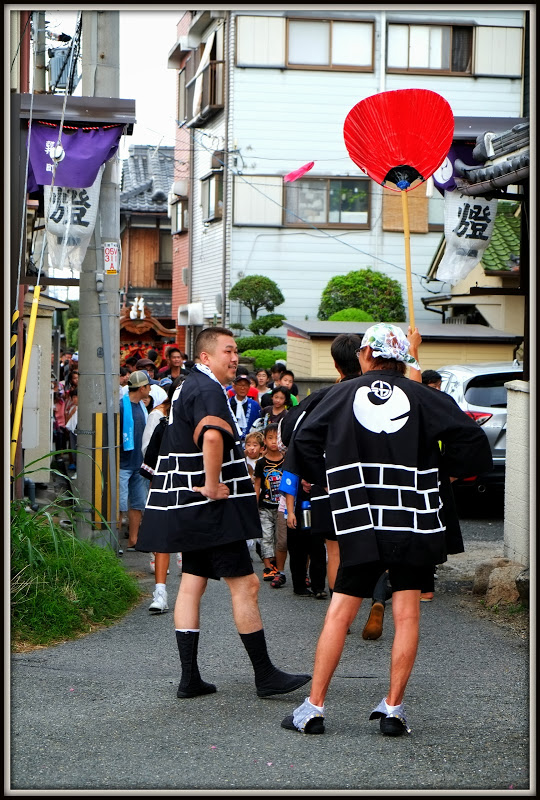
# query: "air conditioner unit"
{"type": "Point", "coordinates": [180, 188]}
{"type": "Point", "coordinates": [191, 314]}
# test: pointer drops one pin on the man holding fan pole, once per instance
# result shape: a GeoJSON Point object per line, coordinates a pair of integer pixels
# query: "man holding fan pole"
{"type": "Point", "coordinates": [374, 443]}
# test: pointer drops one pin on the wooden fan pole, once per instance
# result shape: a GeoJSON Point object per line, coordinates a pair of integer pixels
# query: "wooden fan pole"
{"type": "Point", "coordinates": [407, 236]}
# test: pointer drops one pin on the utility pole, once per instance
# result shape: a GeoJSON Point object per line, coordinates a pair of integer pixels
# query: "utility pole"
{"type": "Point", "coordinates": [40, 82]}
{"type": "Point", "coordinates": [99, 308]}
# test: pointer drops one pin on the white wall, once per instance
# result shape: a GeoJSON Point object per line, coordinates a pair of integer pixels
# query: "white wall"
{"type": "Point", "coordinates": [282, 118]}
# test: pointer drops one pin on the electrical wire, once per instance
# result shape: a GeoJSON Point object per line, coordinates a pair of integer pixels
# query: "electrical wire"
{"type": "Point", "coordinates": [304, 221]}
{"type": "Point", "coordinates": [55, 159]}
{"type": "Point", "coordinates": [21, 40]}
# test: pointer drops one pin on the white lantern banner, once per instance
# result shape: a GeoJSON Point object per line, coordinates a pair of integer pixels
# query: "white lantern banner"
{"type": "Point", "coordinates": [468, 227]}
{"type": "Point", "coordinates": [71, 219]}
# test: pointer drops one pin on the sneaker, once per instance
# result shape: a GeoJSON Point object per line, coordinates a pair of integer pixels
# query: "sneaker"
{"type": "Point", "coordinates": [304, 593]}
{"type": "Point", "coordinates": [320, 595]}
{"type": "Point", "coordinates": [159, 603]}
{"type": "Point", "coordinates": [269, 573]}
{"type": "Point", "coordinates": [278, 581]}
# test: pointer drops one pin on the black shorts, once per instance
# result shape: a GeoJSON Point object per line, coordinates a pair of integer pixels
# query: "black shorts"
{"type": "Point", "coordinates": [231, 560]}
{"type": "Point", "coordinates": [360, 580]}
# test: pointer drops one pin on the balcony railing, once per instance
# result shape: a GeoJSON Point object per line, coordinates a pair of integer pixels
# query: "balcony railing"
{"type": "Point", "coordinates": [212, 96]}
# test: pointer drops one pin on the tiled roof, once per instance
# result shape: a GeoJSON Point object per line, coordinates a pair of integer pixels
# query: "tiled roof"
{"type": "Point", "coordinates": [506, 158]}
{"type": "Point", "coordinates": [505, 239]}
{"type": "Point", "coordinates": [157, 300]}
{"type": "Point", "coordinates": [147, 176]}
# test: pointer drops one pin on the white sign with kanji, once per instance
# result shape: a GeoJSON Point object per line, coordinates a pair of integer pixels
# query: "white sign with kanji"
{"type": "Point", "coordinates": [110, 255]}
{"type": "Point", "coordinates": [468, 226]}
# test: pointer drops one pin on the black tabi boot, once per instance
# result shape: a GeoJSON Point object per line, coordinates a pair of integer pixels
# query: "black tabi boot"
{"type": "Point", "coordinates": [191, 684]}
{"type": "Point", "coordinates": [268, 679]}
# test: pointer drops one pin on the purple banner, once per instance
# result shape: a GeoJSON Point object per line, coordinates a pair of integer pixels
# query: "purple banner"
{"type": "Point", "coordinates": [443, 178]}
{"type": "Point", "coordinates": [83, 153]}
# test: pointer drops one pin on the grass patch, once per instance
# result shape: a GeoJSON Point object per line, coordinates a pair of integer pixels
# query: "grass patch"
{"type": "Point", "coordinates": [61, 586]}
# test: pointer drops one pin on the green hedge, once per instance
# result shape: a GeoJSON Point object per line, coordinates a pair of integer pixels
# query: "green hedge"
{"type": "Point", "coordinates": [351, 315]}
{"type": "Point", "coordinates": [373, 292]}
{"type": "Point", "coordinates": [258, 343]}
{"type": "Point", "coordinates": [264, 359]}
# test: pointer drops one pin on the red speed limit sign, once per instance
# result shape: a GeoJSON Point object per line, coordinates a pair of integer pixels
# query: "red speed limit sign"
{"type": "Point", "coordinates": [110, 250]}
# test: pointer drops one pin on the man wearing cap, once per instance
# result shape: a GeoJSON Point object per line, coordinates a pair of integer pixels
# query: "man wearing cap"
{"type": "Point", "coordinates": [133, 487]}
{"type": "Point", "coordinates": [373, 442]}
{"type": "Point", "coordinates": [157, 392]}
{"type": "Point", "coordinates": [245, 409]}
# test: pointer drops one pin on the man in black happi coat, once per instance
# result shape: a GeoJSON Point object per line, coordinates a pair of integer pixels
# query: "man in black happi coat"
{"type": "Point", "coordinates": [202, 503]}
{"type": "Point", "coordinates": [385, 447]}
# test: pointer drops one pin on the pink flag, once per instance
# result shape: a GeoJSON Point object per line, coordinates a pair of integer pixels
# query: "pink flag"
{"type": "Point", "coordinates": [297, 173]}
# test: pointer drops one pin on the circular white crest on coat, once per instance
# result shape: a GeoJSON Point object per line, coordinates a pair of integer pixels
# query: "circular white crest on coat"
{"type": "Point", "coordinates": [390, 415]}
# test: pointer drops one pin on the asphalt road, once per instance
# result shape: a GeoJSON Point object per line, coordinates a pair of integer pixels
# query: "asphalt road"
{"type": "Point", "coordinates": [100, 714]}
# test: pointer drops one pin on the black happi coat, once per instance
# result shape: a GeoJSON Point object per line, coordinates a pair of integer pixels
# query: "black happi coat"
{"type": "Point", "coordinates": [321, 513]}
{"type": "Point", "coordinates": [176, 518]}
{"type": "Point", "coordinates": [386, 446]}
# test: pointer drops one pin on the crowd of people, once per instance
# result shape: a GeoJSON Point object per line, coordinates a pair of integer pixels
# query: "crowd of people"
{"type": "Point", "coordinates": [231, 471]}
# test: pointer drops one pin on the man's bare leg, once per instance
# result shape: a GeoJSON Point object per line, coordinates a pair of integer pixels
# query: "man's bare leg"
{"type": "Point", "coordinates": [162, 565]}
{"type": "Point", "coordinates": [188, 602]}
{"type": "Point", "coordinates": [246, 614]}
{"type": "Point", "coordinates": [134, 523]}
{"type": "Point", "coordinates": [341, 612]}
{"type": "Point", "coordinates": [332, 549]}
{"type": "Point", "coordinates": [406, 613]}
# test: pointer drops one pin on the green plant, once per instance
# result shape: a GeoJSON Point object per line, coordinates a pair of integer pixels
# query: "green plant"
{"type": "Point", "coordinates": [351, 315]}
{"type": "Point", "coordinates": [262, 325]}
{"type": "Point", "coordinates": [72, 332]}
{"type": "Point", "coordinates": [373, 292]}
{"type": "Point", "coordinates": [264, 359]}
{"type": "Point", "coordinates": [258, 343]}
{"type": "Point", "coordinates": [61, 586]}
{"type": "Point", "coordinates": [256, 292]}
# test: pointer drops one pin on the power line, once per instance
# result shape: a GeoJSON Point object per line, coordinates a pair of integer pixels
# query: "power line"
{"type": "Point", "coordinates": [306, 222]}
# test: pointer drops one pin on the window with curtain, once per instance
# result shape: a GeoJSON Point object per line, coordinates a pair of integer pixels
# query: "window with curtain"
{"type": "Point", "coordinates": [328, 202]}
{"type": "Point", "coordinates": [330, 44]}
{"type": "Point", "coordinates": [429, 48]}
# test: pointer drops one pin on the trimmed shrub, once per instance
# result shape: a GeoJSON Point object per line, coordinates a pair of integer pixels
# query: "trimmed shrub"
{"type": "Point", "coordinates": [373, 292]}
{"type": "Point", "coordinates": [264, 359]}
{"type": "Point", "coordinates": [255, 292]}
{"type": "Point", "coordinates": [258, 343]}
{"type": "Point", "coordinates": [262, 325]}
{"type": "Point", "coordinates": [351, 315]}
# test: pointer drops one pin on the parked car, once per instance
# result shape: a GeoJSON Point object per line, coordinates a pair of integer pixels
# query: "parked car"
{"type": "Point", "coordinates": [479, 390]}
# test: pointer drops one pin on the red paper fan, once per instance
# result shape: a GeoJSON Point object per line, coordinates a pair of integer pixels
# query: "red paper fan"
{"type": "Point", "coordinates": [399, 137]}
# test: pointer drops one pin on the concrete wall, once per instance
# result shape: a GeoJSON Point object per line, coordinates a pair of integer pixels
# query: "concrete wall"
{"type": "Point", "coordinates": [517, 492]}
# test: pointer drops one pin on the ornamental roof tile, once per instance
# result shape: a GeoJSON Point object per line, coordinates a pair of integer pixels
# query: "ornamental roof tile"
{"type": "Point", "coordinates": [147, 176]}
{"type": "Point", "coordinates": [505, 239]}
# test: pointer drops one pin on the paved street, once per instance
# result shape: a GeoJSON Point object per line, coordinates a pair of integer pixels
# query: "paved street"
{"type": "Point", "coordinates": [101, 713]}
